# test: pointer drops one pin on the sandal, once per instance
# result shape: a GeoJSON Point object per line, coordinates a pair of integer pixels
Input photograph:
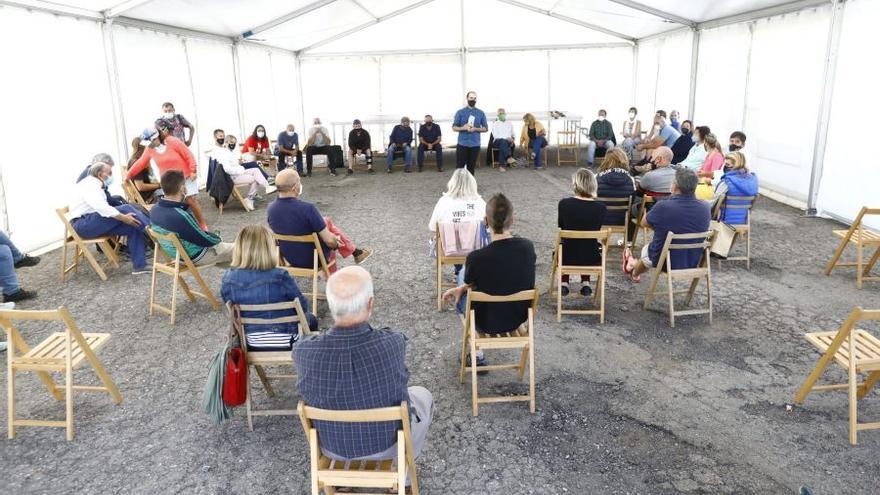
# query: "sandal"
{"type": "Point", "coordinates": [627, 255]}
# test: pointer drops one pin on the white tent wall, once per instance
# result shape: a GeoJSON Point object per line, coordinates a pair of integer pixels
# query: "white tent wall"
{"type": "Point", "coordinates": [850, 174]}
{"type": "Point", "coordinates": [646, 81]}
{"type": "Point", "coordinates": [663, 76]}
{"type": "Point", "coordinates": [58, 106]}
{"type": "Point", "coordinates": [268, 89]}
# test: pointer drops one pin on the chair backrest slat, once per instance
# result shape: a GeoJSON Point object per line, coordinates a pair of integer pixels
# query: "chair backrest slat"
{"type": "Point", "coordinates": [393, 413]}
{"type": "Point", "coordinates": [311, 239]}
{"type": "Point", "coordinates": [525, 295]}
{"type": "Point", "coordinates": [599, 235]}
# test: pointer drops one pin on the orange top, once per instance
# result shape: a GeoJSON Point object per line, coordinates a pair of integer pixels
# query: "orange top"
{"type": "Point", "coordinates": [176, 157]}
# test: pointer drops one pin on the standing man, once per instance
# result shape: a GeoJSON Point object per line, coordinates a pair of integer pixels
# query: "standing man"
{"type": "Point", "coordinates": [288, 150]}
{"type": "Point", "coordinates": [359, 142]}
{"type": "Point", "coordinates": [601, 135]}
{"type": "Point", "coordinates": [401, 140]}
{"type": "Point", "coordinates": [469, 122]}
{"type": "Point", "coordinates": [502, 139]}
{"type": "Point", "coordinates": [429, 140]}
{"type": "Point", "coordinates": [176, 123]}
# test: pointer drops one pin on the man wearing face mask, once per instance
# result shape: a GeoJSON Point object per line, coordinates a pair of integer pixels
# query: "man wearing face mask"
{"type": "Point", "coordinates": [601, 135]}
{"type": "Point", "coordinates": [502, 140]}
{"type": "Point", "coordinates": [683, 144]}
{"type": "Point", "coordinates": [288, 149]}
{"type": "Point", "coordinates": [176, 123]}
{"type": "Point", "coordinates": [319, 143]}
{"type": "Point", "coordinates": [91, 216]}
{"type": "Point", "coordinates": [401, 142]}
{"type": "Point", "coordinates": [289, 215]}
{"type": "Point", "coordinates": [229, 159]}
{"type": "Point", "coordinates": [661, 135]}
{"type": "Point", "coordinates": [429, 140]}
{"type": "Point", "coordinates": [632, 133]}
{"type": "Point", "coordinates": [359, 142]}
{"type": "Point", "coordinates": [469, 122]}
{"type": "Point", "coordinates": [738, 143]}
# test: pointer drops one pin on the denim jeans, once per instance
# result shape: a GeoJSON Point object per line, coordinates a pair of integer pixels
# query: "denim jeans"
{"type": "Point", "coordinates": [8, 279]}
{"type": "Point", "coordinates": [5, 241]}
{"type": "Point", "coordinates": [537, 144]}
{"type": "Point", "coordinates": [407, 156]}
{"type": "Point", "coordinates": [591, 149]}
{"type": "Point", "coordinates": [503, 146]}
{"type": "Point", "coordinates": [94, 225]}
{"type": "Point", "coordinates": [438, 150]}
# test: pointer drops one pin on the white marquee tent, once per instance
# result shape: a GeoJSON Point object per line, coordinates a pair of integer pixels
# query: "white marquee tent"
{"type": "Point", "coordinates": [83, 76]}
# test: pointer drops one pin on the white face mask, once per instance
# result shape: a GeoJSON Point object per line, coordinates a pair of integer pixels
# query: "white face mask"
{"type": "Point", "coordinates": [601, 118]}
{"type": "Point", "coordinates": [169, 115]}
{"type": "Point", "coordinates": [261, 134]}
{"type": "Point", "coordinates": [300, 189]}
{"type": "Point", "coordinates": [632, 116]}
{"type": "Point", "coordinates": [290, 133]}
{"type": "Point", "coordinates": [160, 148]}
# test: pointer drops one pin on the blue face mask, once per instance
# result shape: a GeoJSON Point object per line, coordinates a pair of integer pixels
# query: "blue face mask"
{"type": "Point", "coordinates": [108, 181]}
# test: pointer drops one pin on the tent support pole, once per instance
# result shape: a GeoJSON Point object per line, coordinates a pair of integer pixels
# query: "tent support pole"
{"type": "Point", "coordinates": [635, 73]}
{"type": "Point", "coordinates": [115, 92]}
{"type": "Point", "coordinates": [462, 49]}
{"type": "Point", "coordinates": [695, 62]}
{"type": "Point", "coordinates": [748, 75]}
{"type": "Point", "coordinates": [299, 90]}
{"type": "Point", "coordinates": [192, 89]}
{"type": "Point", "coordinates": [831, 50]}
{"type": "Point", "coordinates": [236, 68]}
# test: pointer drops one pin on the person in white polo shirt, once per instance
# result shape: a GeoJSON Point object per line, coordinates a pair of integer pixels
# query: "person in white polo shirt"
{"type": "Point", "coordinates": [503, 139]}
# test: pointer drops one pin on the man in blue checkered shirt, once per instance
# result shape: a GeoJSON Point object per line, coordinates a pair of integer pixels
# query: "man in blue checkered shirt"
{"type": "Point", "coordinates": [354, 366]}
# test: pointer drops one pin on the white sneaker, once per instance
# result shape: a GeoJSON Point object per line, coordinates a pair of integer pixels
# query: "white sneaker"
{"type": "Point", "coordinates": [271, 189]}
{"type": "Point", "coordinates": [249, 204]}
{"type": "Point", "coordinates": [2, 346]}
{"type": "Point", "coordinates": [7, 306]}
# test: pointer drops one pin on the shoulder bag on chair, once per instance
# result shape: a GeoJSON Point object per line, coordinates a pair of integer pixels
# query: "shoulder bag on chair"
{"type": "Point", "coordinates": [723, 239]}
{"type": "Point", "coordinates": [236, 372]}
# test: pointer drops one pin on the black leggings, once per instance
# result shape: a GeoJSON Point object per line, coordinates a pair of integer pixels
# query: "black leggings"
{"type": "Point", "coordinates": [467, 156]}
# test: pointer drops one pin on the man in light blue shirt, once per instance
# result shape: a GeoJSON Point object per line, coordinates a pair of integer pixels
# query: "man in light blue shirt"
{"type": "Point", "coordinates": [469, 122]}
{"type": "Point", "coordinates": [665, 136]}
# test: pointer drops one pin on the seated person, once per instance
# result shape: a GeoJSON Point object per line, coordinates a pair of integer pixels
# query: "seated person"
{"type": "Point", "coordinates": [319, 143]}
{"type": "Point", "coordinates": [358, 143]}
{"type": "Point", "coordinates": [656, 182]}
{"type": "Point", "coordinates": [506, 266]}
{"type": "Point", "coordinates": [429, 140]}
{"type": "Point", "coordinates": [144, 182]}
{"type": "Point", "coordinates": [736, 181]}
{"type": "Point", "coordinates": [355, 366]}
{"type": "Point", "coordinates": [614, 181]}
{"type": "Point", "coordinates": [289, 215]}
{"type": "Point", "coordinates": [112, 200]}
{"type": "Point", "coordinates": [533, 138]}
{"type": "Point", "coordinates": [91, 216]}
{"type": "Point", "coordinates": [255, 151]}
{"type": "Point", "coordinates": [254, 278]}
{"type": "Point", "coordinates": [661, 135]}
{"type": "Point", "coordinates": [401, 141]}
{"type": "Point", "coordinates": [10, 259]}
{"type": "Point", "coordinates": [229, 160]}
{"type": "Point", "coordinates": [581, 212]}
{"type": "Point", "coordinates": [697, 154]}
{"type": "Point", "coordinates": [714, 160]}
{"type": "Point", "coordinates": [631, 132]}
{"type": "Point", "coordinates": [461, 203]}
{"type": "Point", "coordinates": [738, 143]}
{"type": "Point", "coordinates": [171, 215]}
{"type": "Point", "coordinates": [683, 144]}
{"type": "Point", "coordinates": [681, 213]}
{"type": "Point", "coordinates": [503, 140]}
{"type": "Point", "coordinates": [674, 120]}
{"type": "Point", "coordinates": [601, 135]}
{"type": "Point", "coordinates": [288, 149]}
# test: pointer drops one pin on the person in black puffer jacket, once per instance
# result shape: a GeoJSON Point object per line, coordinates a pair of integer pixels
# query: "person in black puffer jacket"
{"type": "Point", "coordinates": [615, 182]}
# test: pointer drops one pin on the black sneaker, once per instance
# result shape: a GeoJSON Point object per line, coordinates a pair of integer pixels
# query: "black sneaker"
{"type": "Point", "coordinates": [21, 295]}
{"type": "Point", "coordinates": [349, 172]}
{"type": "Point", "coordinates": [406, 170]}
{"type": "Point", "coordinates": [333, 173]}
{"type": "Point", "coordinates": [481, 361]}
{"type": "Point", "coordinates": [28, 261]}
{"type": "Point", "coordinates": [564, 288]}
{"type": "Point", "coordinates": [308, 174]}
{"type": "Point", "coordinates": [586, 291]}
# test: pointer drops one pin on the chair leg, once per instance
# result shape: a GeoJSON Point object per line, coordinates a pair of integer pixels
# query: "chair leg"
{"type": "Point", "coordinates": [749, 249]}
{"type": "Point", "coordinates": [474, 389]}
{"type": "Point", "coordinates": [209, 294]}
{"type": "Point", "coordinates": [94, 262]}
{"type": "Point", "coordinates": [261, 374]}
{"type": "Point", "coordinates": [153, 288]}
{"type": "Point", "coordinates": [559, 296]}
{"type": "Point", "coordinates": [315, 291]}
{"type": "Point", "coordinates": [522, 363]}
{"type": "Point", "coordinates": [176, 277]}
{"type": "Point", "coordinates": [64, 260]}
{"type": "Point", "coordinates": [691, 291]}
{"type": "Point", "coordinates": [464, 350]}
{"type": "Point", "coordinates": [651, 288]}
{"type": "Point", "coordinates": [110, 253]}
{"type": "Point", "coordinates": [531, 368]}
{"type": "Point", "coordinates": [600, 287]}
{"type": "Point", "coordinates": [853, 406]}
{"type": "Point", "coordinates": [68, 396]}
{"type": "Point", "coordinates": [814, 375]}
{"type": "Point", "coordinates": [709, 294]}
{"type": "Point", "coordinates": [108, 382]}
{"type": "Point", "coordinates": [247, 405]}
{"type": "Point", "coordinates": [10, 400]}
{"type": "Point", "coordinates": [671, 290]}
{"type": "Point", "coordinates": [837, 253]}
{"type": "Point", "coordinates": [869, 383]}
{"type": "Point", "coordinates": [439, 272]}
{"type": "Point", "coordinates": [859, 263]}
{"type": "Point", "coordinates": [871, 263]}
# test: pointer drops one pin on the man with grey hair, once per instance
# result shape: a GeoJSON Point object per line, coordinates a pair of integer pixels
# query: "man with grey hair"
{"type": "Point", "coordinates": [659, 176]}
{"type": "Point", "coordinates": [681, 213]}
{"type": "Point", "coordinates": [104, 158]}
{"type": "Point", "coordinates": [355, 366]}
{"type": "Point", "coordinates": [503, 139]}
{"type": "Point", "coordinates": [401, 142]}
{"type": "Point", "coordinates": [91, 215]}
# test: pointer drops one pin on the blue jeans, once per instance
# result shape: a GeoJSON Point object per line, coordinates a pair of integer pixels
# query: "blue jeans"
{"type": "Point", "coordinates": [5, 241]}
{"type": "Point", "coordinates": [421, 155]}
{"type": "Point", "coordinates": [8, 279]}
{"type": "Point", "coordinates": [257, 166]}
{"type": "Point", "coordinates": [537, 144]}
{"type": "Point", "coordinates": [407, 155]}
{"type": "Point", "coordinates": [94, 225]}
{"type": "Point", "coordinates": [503, 146]}
{"type": "Point", "coordinates": [460, 307]}
{"type": "Point", "coordinates": [591, 149]}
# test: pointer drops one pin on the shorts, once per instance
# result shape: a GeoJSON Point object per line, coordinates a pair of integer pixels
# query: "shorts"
{"type": "Point", "coordinates": [645, 259]}
{"type": "Point", "coordinates": [192, 187]}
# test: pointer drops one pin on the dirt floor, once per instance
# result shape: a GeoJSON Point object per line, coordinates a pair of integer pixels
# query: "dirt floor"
{"type": "Point", "coordinates": [631, 406]}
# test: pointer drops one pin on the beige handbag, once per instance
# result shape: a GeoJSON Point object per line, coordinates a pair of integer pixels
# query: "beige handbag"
{"type": "Point", "coordinates": [723, 240]}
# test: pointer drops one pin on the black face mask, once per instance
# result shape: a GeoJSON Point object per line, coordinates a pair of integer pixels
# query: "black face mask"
{"type": "Point", "coordinates": [734, 147]}
{"type": "Point", "coordinates": [472, 103]}
{"type": "Point", "coordinates": [220, 142]}
{"type": "Point", "coordinates": [231, 146]}
{"type": "Point", "coordinates": [686, 132]}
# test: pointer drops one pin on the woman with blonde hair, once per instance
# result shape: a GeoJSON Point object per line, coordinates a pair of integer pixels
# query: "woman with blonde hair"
{"type": "Point", "coordinates": [533, 138]}
{"type": "Point", "coordinates": [614, 181]}
{"type": "Point", "coordinates": [255, 278]}
{"type": "Point", "coordinates": [460, 204]}
{"type": "Point", "coordinates": [736, 181]}
{"type": "Point", "coordinates": [581, 212]}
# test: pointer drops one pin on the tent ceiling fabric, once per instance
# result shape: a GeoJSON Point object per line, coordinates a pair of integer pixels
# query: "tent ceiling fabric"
{"type": "Point", "coordinates": [633, 19]}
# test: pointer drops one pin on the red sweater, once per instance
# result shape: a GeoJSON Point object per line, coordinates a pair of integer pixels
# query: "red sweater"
{"type": "Point", "coordinates": [176, 157]}
{"type": "Point", "coordinates": [254, 145]}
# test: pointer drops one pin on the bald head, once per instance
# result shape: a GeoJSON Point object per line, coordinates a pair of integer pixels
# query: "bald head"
{"type": "Point", "coordinates": [287, 181]}
{"type": "Point", "coordinates": [350, 296]}
{"type": "Point", "coordinates": [663, 156]}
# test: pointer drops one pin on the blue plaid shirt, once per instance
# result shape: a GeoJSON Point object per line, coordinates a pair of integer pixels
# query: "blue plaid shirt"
{"type": "Point", "coordinates": [353, 368]}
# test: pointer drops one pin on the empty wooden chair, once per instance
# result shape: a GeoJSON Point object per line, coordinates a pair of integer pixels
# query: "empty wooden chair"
{"type": "Point", "coordinates": [133, 196]}
{"type": "Point", "coordinates": [618, 205]}
{"type": "Point", "coordinates": [675, 242]}
{"type": "Point", "coordinates": [862, 238]}
{"type": "Point", "coordinates": [841, 345]}
{"type": "Point", "coordinates": [566, 141]}
{"type": "Point", "coordinates": [176, 268]}
{"type": "Point", "coordinates": [742, 230]}
{"type": "Point", "coordinates": [596, 273]}
{"type": "Point", "coordinates": [328, 474]}
{"type": "Point", "coordinates": [320, 265]}
{"type": "Point", "coordinates": [262, 359]}
{"type": "Point", "coordinates": [448, 254]}
{"type": "Point", "coordinates": [108, 244]}
{"type": "Point", "coordinates": [522, 338]}
{"type": "Point", "coordinates": [637, 220]}
{"type": "Point", "coordinates": [60, 352]}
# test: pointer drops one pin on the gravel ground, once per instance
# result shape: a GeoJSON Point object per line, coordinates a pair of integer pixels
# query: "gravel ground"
{"type": "Point", "coordinates": [631, 406]}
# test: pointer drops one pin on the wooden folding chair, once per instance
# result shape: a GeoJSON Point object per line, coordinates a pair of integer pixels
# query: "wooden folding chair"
{"type": "Point", "coordinates": [742, 230]}
{"type": "Point", "coordinates": [566, 140]}
{"type": "Point", "coordinates": [521, 338]}
{"type": "Point", "coordinates": [176, 268]}
{"type": "Point", "coordinates": [597, 273]}
{"type": "Point", "coordinates": [320, 265]}
{"type": "Point", "coordinates": [442, 259]}
{"type": "Point", "coordinates": [81, 249]}
{"type": "Point", "coordinates": [701, 240]}
{"type": "Point", "coordinates": [60, 352]}
{"type": "Point", "coordinates": [527, 150]}
{"type": "Point", "coordinates": [637, 220]}
{"type": "Point", "coordinates": [260, 360]}
{"type": "Point", "coordinates": [133, 195]}
{"type": "Point", "coordinates": [841, 345]}
{"type": "Point", "coordinates": [618, 204]}
{"type": "Point", "coordinates": [390, 474]}
{"type": "Point", "coordinates": [238, 197]}
{"type": "Point", "coordinates": [862, 238]}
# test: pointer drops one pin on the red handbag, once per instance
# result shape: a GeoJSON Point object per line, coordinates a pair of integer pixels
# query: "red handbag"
{"type": "Point", "coordinates": [235, 378]}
